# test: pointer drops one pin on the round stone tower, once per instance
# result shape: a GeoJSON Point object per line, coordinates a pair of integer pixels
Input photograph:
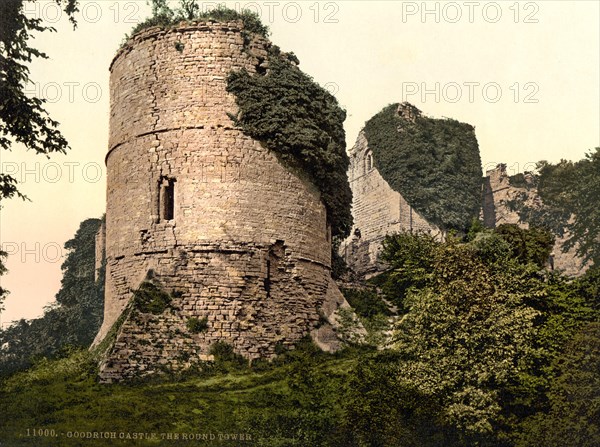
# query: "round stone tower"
{"type": "Point", "coordinates": [202, 211]}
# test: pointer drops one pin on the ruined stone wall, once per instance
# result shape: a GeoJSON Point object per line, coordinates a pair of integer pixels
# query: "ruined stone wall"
{"type": "Point", "coordinates": [100, 245]}
{"type": "Point", "coordinates": [498, 192]}
{"type": "Point", "coordinates": [202, 210]}
{"type": "Point", "coordinates": [378, 210]}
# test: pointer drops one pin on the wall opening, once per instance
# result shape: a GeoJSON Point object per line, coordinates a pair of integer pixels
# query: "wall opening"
{"type": "Point", "coordinates": [167, 198]}
{"type": "Point", "coordinates": [368, 162]}
{"type": "Point", "coordinates": [268, 278]}
{"type": "Point", "coordinates": [275, 256]}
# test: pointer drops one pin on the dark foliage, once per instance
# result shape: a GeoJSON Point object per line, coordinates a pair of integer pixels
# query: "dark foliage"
{"type": "Point", "coordinates": [517, 180]}
{"type": "Point", "coordinates": [366, 302]}
{"type": "Point", "coordinates": [339, 267]}
{"type": "Point", "coordinates": [23, 119]}
{"type": "Point", "coordinates": [533, 245]}
{"type": "Point", "coordinates": [383, 410]}
{"type": "Point", "coordinates": [573, 416]}
{"type": "Point", "coordinates": [433, 163]}
{"type": "Point", "coordinates": [302, 123]}
{"type": "Point", "coordinates": [150, 298]}
{"type": "Point", "coordinates": [197, 325]}
{"type": "Point", "coordinates": [410, 257]}
{"type": "Point", "coordinates": [75, 318]}
{"type": "Point", "coordinates": [569, 192]}
{"type": "Point", "coordinates": [189, 10]}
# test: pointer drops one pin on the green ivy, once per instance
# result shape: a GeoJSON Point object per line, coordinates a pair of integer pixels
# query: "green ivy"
{"type": "Point", "coordinates": [519, 181]}
{"type": "Point", "coordinates": [302, 123]}
{"type": "Point", "coordinates": [433, 163]}
{"type": "Point", "coordinates": [165, 17]}
{"type": "Point", "coordinates": [149, 298]}
{"type": "Point", "coordinates": [284, 109]}
{"type": "Point", "coordinates": [196, 325]}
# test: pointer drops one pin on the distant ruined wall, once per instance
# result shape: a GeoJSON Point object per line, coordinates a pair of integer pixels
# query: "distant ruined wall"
{"type": "Point", "coordinates": [498, 192]}
{"type": "Point", "coordinates": [204, 211]}
{"type": "Point", "coordinates": [100, 246]}
{"type": "Point", "coordinates": [378, 210]}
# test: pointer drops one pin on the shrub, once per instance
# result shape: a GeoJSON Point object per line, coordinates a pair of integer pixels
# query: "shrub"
{"type": "Point", "coordinates": [366, 302]}
{"type": "Point", "coordinates": [149, 298]}
{"type": "Point", "coordinates": [196, 325]}
{"type": "Point", "coordinates": [166, 18]}
{"type": "Point", "coordinates": [225, 356]}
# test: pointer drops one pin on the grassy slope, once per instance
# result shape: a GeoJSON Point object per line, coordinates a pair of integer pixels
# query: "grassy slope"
{"type": "Point", "coordinates": [265, 402]}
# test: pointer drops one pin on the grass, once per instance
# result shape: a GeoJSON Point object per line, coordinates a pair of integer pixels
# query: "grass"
{"type": "Point", "coordinates": [272, 404]}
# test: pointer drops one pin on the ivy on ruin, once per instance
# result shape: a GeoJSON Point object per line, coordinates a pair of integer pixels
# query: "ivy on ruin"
{"type": "Point", "coordinates": [434, 163]}
{"type": "Point", "coordinates": [283, 108]}
{"type": "Point", "coordinates": [302, 123]}
{"type": "Point", "coordinates": [189, 11]}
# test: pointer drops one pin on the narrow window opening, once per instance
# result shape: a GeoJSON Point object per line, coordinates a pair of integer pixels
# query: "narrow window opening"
{"type": "Point", "coordinates": [274, 257]}
{"type": "Point", "coordinates": [369, 162]}
{"type": "Point", "coordinates": [268, 279]}
{"type": "Point", "coordinates": [167, 198]}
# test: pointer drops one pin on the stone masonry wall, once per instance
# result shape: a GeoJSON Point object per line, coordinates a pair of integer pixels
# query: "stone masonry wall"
{"type": "Point", "coordinates": [100, 245]}
{"type": "Point", "coordinates": [498, 192]}
{"type": "Point", "coordinates": [378, 210]}
{"type": "Point", "coordinates": [202, 210]}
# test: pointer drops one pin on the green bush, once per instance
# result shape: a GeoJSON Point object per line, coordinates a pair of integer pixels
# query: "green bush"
{"type": "Point", "coordinates": [518, 181]}
{"type": "Point", "coordinates": [531, 245]}
{"type": "Point", "coordinates": [410, 257]}
{"type": "Point", "coordinates": [366, 302]}
{"type": "Point", "coordinates": [149, 298]}
{"type": "Point", "coordinates": [196, 325]}
{"type": "Point", "coordinates": [165, 17]}
{"type": "Point", "coordinates": [226, 357]}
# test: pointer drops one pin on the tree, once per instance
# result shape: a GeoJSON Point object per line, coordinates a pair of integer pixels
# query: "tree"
{"type": "Point", "coordinates": [23, 119]}
{"type": "Point", "coordinates": [482, 331]}
{"type": "Point", "coordinates": [583, 196]}
{"type": "Point", "coordinates": [410, 257]}
{"type": "Point", "coordinates": [75, 318]}
{"type": "Point", "coordinates": [466, 343]}
{"type": "Point", "coordinates": [463, 339]}
{"type": "Point", "coordinates": [382, 409]}
{"type": "Point", "coordinates": [532, 245]}
{"type": "Point", "coordinates": [569, 192]}
{"type": "Point", "coordinates": [574, 416]}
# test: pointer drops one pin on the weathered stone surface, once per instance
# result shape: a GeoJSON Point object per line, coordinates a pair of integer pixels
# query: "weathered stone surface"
{"type": "Point", "coordinates": [498, 192]}
{"type": "Point", "coordinates": [377, 209]}
{"type": "Point", "coordinates": [202, 210]}
{"type": "Point", "coordinates": [100, 244]}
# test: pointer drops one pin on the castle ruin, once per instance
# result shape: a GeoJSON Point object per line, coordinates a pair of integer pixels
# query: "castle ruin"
{"type": "Point", "coordinates": [204, 212]}
{"type": "Point", "coordinates": [378, 210]}
{"type": "Point", "coordinates": [498, 193]}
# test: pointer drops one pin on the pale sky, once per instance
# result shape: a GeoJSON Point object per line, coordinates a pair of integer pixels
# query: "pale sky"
{"type": "Point", "coordinates": [525, 74]}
